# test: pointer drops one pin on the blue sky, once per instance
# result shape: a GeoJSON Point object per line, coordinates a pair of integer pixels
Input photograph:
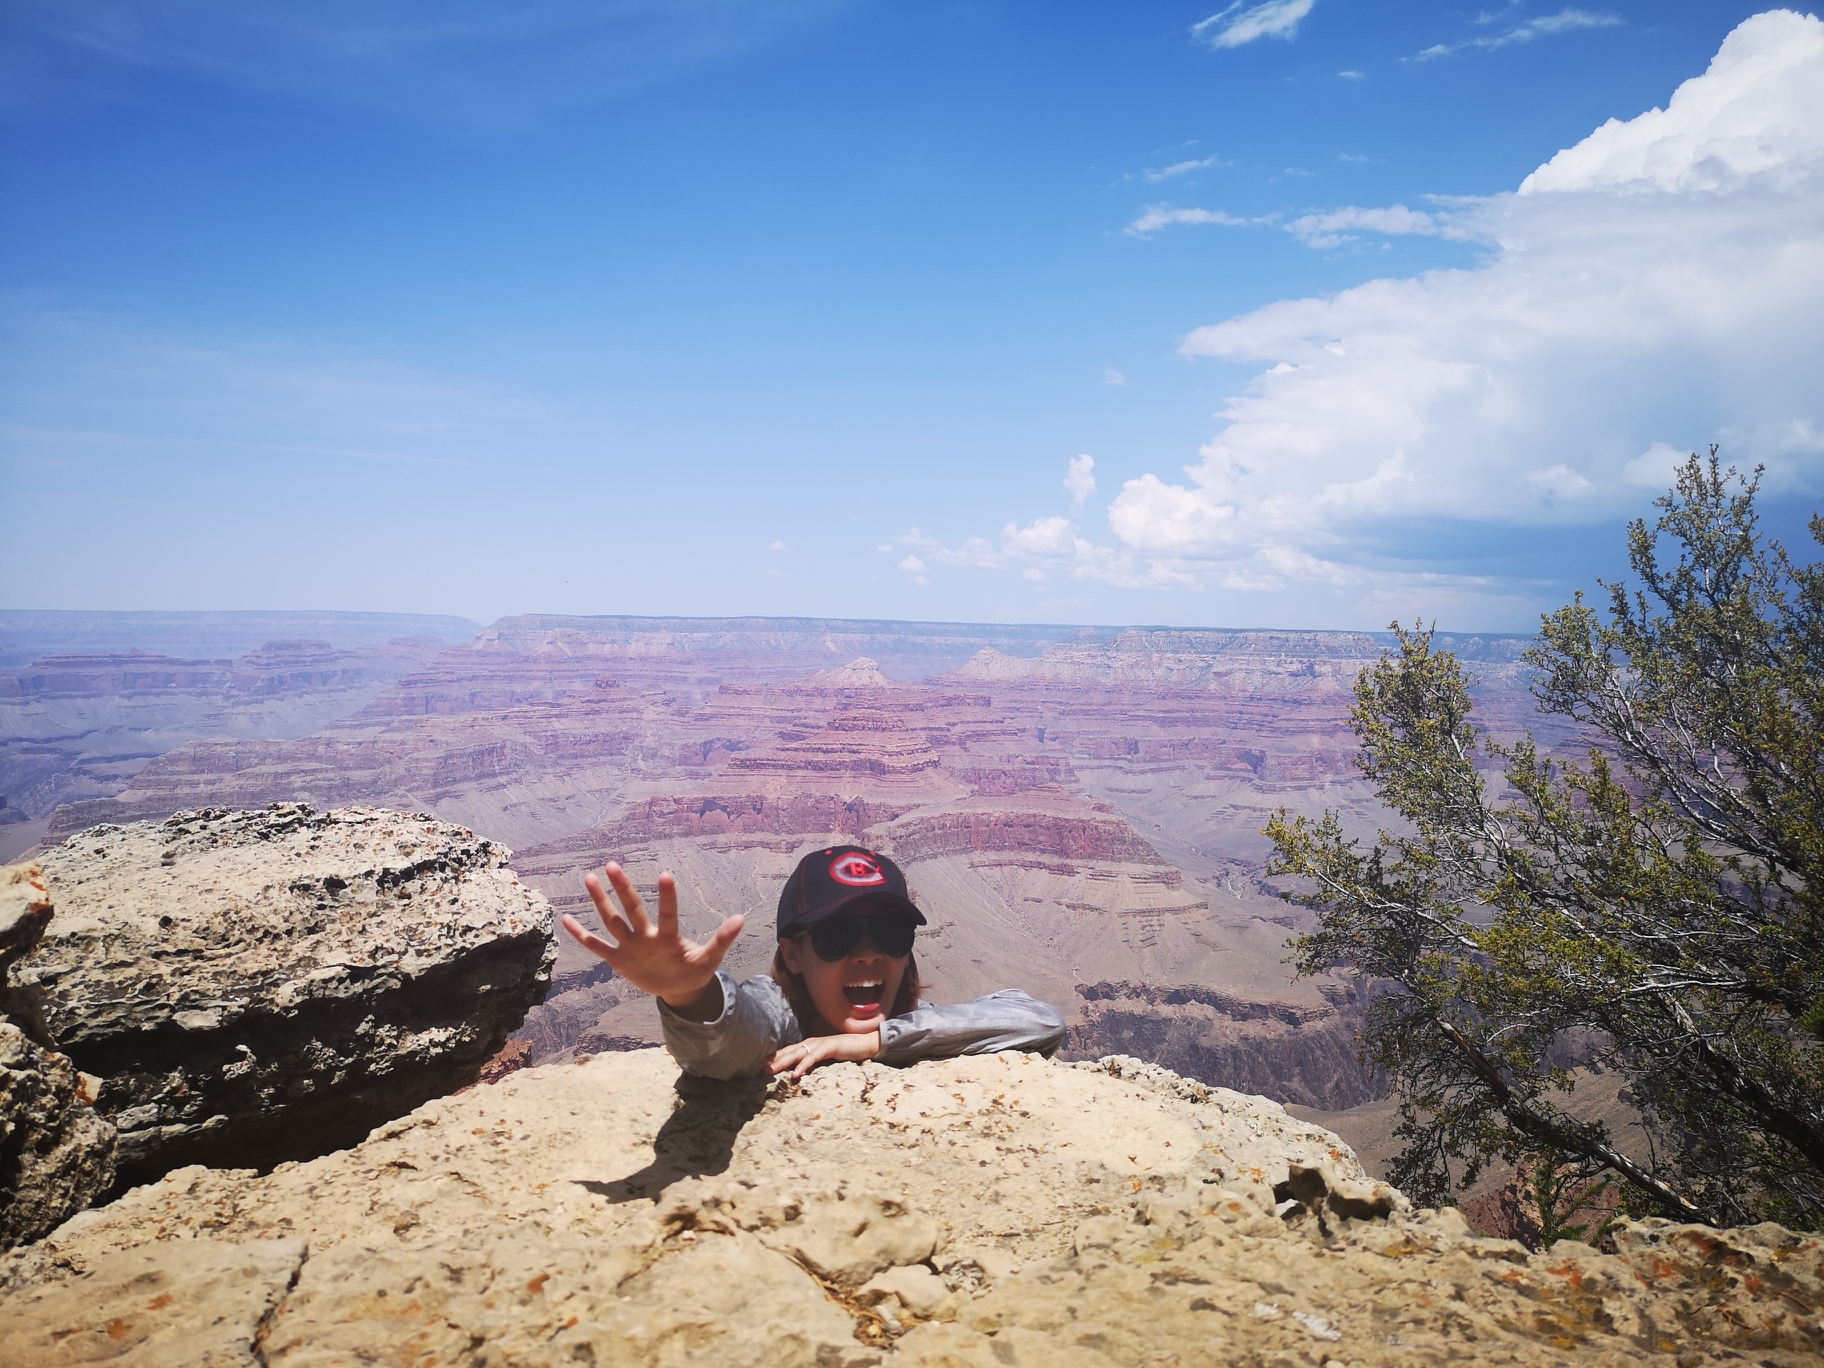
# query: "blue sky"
{"type": "Point", "coordinates": [819, 307]}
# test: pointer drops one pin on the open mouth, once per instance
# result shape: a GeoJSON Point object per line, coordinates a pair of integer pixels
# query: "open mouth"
{"type": "Point", "coordinates": [864, 996]}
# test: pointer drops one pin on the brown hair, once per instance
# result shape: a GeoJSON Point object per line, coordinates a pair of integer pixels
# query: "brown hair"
{"type": "Point", "coordinates": [809, 1019]}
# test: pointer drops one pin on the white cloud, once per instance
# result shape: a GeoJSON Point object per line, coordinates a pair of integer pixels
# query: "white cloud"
{"type": "Point", "coordinates": [1458, 219]}
{"type": "Point", "coordinates": [976, 553]}
{"type": "Point", "coordinates": [1273, 19]}
{"type": "Point", "coordinates": [1653, 468]}
{"type": "Point", "coordinates": [1182, 168]}
{"type": "Point", "coordinates": [1333, 228]}
{"type": "Point", "coordinates": [1653, 288]}
{"type": "Point", "coordinates": [1352, 76]}
{"type": "Point", "coordinates": [778, 546]}
{"type": "Point", "coordinates": [1565, 21]}
{"type": "Point", "coordinates": [1111, 376]}
{"type": "Point", "coordinates": [1675, 257]}
{"type": "Point", "coordinates": [1080, 479]}
{"type": "Point", "coordinates": [1157, 216]}
{"type": "Point", "coordinates": [914, 567]}
{"type": "Point", "coordinates": [1150, 515]}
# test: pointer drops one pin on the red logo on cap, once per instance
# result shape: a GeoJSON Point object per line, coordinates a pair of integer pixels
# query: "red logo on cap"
{"type": "Point", "coordinates": [856, 870]}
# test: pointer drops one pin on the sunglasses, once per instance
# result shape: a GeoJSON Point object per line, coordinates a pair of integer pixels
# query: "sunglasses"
{"type": "Point", "coordinates": [836, 937]}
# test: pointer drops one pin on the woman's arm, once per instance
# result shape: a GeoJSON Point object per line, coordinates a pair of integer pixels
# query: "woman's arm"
{"type": "Point", "coordinates": [1007, 1020]}
{"type": "Point", "coordinates": [749, 1022]}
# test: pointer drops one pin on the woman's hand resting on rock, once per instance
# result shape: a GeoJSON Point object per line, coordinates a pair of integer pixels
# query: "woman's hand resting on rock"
{"type": "Point", "coordinates": [653, 956]}
{"type": "Point", "coordinates": [801, 1058]}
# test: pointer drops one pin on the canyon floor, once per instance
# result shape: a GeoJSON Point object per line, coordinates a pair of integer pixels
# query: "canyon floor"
{"type": "Point", "coordinates": [1078, 809]}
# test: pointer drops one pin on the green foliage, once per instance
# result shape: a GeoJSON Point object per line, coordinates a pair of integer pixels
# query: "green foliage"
{"type": "Point", "coordinates": [1655, 910]}
{"type": "Point", "coordinates": [1563, 1189]}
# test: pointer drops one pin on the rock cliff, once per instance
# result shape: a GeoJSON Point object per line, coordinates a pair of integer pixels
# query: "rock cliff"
{"type": "Point", "coordinates": [253, 987]}
{"type": "Point", "coordinates": [56, 1154]}
{"type": "Point", "coordinates": [989, 1211]}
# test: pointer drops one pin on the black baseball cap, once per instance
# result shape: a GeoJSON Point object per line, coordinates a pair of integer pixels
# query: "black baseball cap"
{"type": "Point", "coordinates": [827, 881]}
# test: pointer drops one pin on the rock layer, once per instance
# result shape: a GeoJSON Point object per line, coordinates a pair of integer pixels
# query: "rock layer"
{"type": "Point", "coordinates": [56, 1154]}
{"type": "Point", "coordinates": [990, 1211]}
{"type": "Point", "coordinates": [261, 986]}
{"type": "Point", "coordinates": [1297, 1053]}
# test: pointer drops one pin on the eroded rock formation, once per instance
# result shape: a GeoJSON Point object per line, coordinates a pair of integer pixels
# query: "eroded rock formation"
{"type": "Point", "coordinates": [254, 987]}
{"type": "Point", "coordinates": [981, 1212]}
{"type": "Point", "coordinates": [1074, 805]}
{"type": "Point", "coordinates": [1295, 1052]}
{"type": "Point", "coordinates": [56, 1154]}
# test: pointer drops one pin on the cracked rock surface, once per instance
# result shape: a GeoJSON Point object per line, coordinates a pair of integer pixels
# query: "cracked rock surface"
{"type": "Point", "coordinates": [256, 987]}
{"type": "Point", "coordinates": [56, 1154]}
{"type": "Point", "coordinates": [992, 1211]}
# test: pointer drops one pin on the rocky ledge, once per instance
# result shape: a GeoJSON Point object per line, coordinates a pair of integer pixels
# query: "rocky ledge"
{"type": "Point", "coordinates": [989, 1211]}
{"type": "Point", "coordinates": [255, 987]}
{"type": "Point", "coordinates": [56, 1154]}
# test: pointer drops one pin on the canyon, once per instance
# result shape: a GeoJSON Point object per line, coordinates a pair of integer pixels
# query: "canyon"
{"type": "Point", "coordinates": [1078, 809]}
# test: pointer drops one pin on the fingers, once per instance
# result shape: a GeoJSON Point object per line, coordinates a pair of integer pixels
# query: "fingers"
{"type": "Point", "coordinates": [668, 905]}
{"type": "Point", "coordinates": [633, 909]}
{"type": "Point", "coordinates": [717, 945]}
{"type": "Point", "coordinates": [607, 911]}
{"type": "Point", "coordinates": [628, 919]}
{"type": "Point", "coordinates": [800, 1058]}
{"type": "Point", "coordinates": [591, 942]}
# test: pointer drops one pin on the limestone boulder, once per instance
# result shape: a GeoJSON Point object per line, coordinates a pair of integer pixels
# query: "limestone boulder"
{"type": "Point", "coordinates": [56, 1154]}
{"type": "Point", "coordinates": [257, 987]}
{"type": "Point", "coordinates": [1047, 1213]}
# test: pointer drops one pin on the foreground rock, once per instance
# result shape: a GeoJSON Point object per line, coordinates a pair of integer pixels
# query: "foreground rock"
{"type": "Point", "coordinates": [261, 986]}
{"type": "Point", "coordinates": [56, 1154]}
{"type": "Point", "coordinates": [988, 1211]}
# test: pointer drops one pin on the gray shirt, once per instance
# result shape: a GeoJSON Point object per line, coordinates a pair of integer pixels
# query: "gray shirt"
{"type": "Point", "coordinates": [756, 1019]}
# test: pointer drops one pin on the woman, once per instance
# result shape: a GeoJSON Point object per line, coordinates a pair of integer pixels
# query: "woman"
{"type": "Point", "coordinates": [844, 983]}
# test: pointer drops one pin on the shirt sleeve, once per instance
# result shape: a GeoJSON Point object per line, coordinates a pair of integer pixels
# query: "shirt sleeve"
{"type": "Point", "coordinates": [1007, 1020]}
{"type": "Point", "coordinates": [754, 1021]}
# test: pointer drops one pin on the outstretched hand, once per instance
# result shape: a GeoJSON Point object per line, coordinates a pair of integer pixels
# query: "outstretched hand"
{"type": "Point", "coordinates": [653, 955]}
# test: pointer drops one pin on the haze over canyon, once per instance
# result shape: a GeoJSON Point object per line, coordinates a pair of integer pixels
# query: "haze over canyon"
{"type": "Point", "coordinates": [1078, 809]}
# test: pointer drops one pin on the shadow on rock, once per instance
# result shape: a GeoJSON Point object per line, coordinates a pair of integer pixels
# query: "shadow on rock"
{"type": "Point", "coordinates": [697, 1139]}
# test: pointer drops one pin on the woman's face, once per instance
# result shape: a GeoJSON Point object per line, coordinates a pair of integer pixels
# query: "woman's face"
{"type": "Point", "coordinates": [854, 994]}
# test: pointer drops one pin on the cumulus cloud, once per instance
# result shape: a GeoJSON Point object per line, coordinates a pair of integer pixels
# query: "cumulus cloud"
{"type": "Point", "coordinates": [1080, 479]}
{"type": "Point", "coordinates": [1273, 19]}
{"type": "Point", "coordinates": [1650, 289]}
{"type": "Point", "coordinates": [1665, 272]}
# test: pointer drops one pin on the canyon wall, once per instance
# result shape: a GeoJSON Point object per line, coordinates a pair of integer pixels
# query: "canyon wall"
{"type": "Point", "coordinates": [1074, 806]}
